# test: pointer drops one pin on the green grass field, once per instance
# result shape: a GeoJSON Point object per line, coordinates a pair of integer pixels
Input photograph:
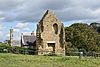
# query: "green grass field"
{"type": "Point", "coordinates": [15, 60]}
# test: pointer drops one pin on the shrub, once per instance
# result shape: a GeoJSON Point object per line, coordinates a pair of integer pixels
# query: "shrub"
{"type": "Point", "coordinates": [4, 48]}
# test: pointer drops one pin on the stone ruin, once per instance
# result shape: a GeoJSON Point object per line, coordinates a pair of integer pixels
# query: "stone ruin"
{"type": "Point", "coordinates": [50, 35]}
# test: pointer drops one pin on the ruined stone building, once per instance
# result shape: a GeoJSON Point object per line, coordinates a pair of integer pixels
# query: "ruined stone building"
{"type": "Point", "coordinates": [50, 35]}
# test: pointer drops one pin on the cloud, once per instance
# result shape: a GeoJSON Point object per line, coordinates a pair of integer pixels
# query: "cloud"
{"type": "Point", "coordinates": [7, 5]}
{"type": "Point", "coordinates": [16, 30]}
{"type": "Point", "coordinates": [1, 33]}
{"type": "Point", "coordinates": [32, 10]}
{"type": "Point", "coordinates": [1, 30]}
{"type": "Point", "coordinates": [21, 26]}
{"type": "Point", "coordinates": [1, 27]}
{"type": "Point", "coordinates": [8, 35]}
{"type": "Point", "coordinates": [26, 29]}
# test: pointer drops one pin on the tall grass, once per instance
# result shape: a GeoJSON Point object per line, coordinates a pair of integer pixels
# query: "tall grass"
{"type": "Point", "coordinates": [18, 60]}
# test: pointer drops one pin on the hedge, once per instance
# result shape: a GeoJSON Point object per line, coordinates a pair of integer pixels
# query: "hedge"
{"type": "Point", "coordinates": [4, 48]}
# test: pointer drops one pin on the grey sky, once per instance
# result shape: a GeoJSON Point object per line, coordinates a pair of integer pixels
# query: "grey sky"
{"type": "Point", "coordinates": [32, 10]}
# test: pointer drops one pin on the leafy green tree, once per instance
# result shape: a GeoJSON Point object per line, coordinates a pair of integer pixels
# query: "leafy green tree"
{"type": "Point", "coordinates": [82, 36]}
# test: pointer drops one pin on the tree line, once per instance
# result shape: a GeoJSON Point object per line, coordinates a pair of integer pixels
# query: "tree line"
{"type": "Point", "coordinates": [83, 36]}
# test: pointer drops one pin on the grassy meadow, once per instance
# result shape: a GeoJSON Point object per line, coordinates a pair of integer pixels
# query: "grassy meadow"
{"type": "Point", "coordinates": [18, 60]}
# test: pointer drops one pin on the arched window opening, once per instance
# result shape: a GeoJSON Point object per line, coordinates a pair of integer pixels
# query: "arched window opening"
{"type": "Point", "coordinates": [55, 26]}
{"type": "Point", "coordinates": [61, 35]}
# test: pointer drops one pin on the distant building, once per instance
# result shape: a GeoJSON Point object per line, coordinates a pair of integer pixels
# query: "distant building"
{"type": "Point", "coordinates": [28, 41]}
{"type": "Point", "coordinates": [50, 35]}
{"type": "Point", "coordinates": [6, 41]}
{"type": "Point", "coordinates": [16, 43]}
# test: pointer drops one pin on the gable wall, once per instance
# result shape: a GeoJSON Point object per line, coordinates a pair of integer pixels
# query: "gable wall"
{"type": "Point", "coordinates": [48, 34]}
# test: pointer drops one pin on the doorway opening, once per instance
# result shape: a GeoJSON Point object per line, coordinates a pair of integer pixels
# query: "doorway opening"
{"type": "Point", "coordinates": [52, 46]}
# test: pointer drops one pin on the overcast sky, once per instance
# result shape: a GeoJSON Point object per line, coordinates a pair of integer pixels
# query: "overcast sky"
{"type": "Point", "coordinates": [23, 15]}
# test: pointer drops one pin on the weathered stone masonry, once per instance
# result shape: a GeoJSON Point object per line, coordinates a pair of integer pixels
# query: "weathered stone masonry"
{"type": "Point", "coordinates": [50, 35]}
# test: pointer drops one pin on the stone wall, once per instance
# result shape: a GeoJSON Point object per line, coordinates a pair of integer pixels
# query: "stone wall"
{"type": "Point", "coordinates": [50, 35]}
